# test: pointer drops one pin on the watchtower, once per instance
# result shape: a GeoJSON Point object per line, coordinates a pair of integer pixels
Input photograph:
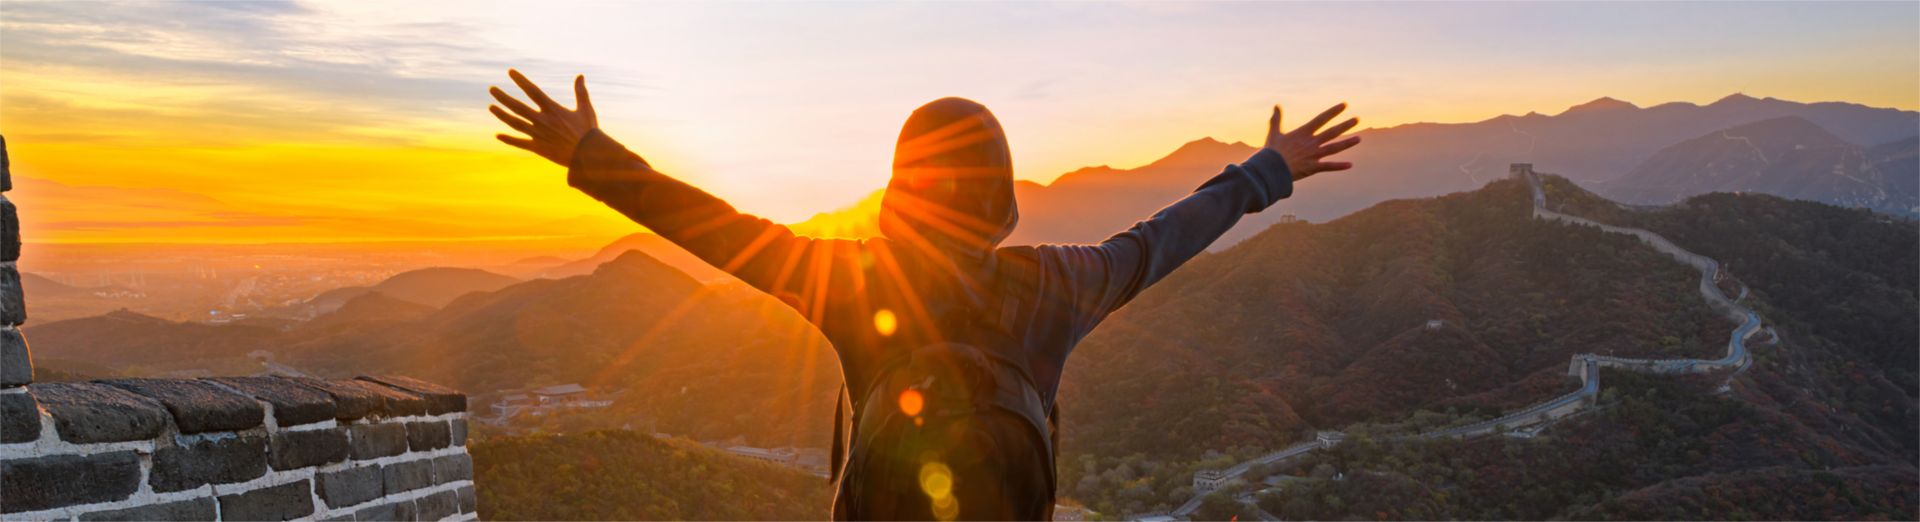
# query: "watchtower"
{"type": "Point", "coordinates": [1208, 480]}
{"type": "Point", "coordinates": [1519, 171]}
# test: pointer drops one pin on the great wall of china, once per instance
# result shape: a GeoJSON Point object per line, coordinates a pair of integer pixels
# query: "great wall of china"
{"type": "Point", "coordinates": [1586, 366]}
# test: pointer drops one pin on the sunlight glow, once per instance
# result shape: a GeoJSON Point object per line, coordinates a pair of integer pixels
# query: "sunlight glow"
{"type": "Point", "coordinates": [885, 323]}
{"type": "Point", "coordinates": [911, 402]}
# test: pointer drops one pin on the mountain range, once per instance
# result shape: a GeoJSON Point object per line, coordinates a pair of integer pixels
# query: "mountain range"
{"type": "Point", "coordinates": [1591, 143]}
{"type": "Point", "coordinates": [671, 346]}
{"type": "Point", "coordinates": [434, 287]}
{"type": "Point", "coordinates": [1789, 157]}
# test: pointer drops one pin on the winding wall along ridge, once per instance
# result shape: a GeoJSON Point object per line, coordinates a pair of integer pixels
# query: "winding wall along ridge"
{"type": "Point", "coordinates": [1586, 366]}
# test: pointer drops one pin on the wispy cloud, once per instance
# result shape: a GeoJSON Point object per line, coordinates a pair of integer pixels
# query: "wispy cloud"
{"type": "Point", "coordinates": [264, 67]}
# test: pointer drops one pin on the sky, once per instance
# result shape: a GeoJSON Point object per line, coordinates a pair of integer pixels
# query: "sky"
{"type": "Point", "coordinates": [248, 122]}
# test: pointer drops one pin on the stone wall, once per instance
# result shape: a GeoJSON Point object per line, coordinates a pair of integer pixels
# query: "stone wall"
{"type": "Point", "coordinates": [240, 448]}
{"type": "Point", "coordinates": [224, 448]}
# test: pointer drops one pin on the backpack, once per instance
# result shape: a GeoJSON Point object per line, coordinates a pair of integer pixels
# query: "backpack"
{"type": "Point", "coordinates": [948, 429]}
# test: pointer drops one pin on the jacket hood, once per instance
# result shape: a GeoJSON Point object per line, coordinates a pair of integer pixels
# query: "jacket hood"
{"type": "Point", "coordinates": [952, 183]}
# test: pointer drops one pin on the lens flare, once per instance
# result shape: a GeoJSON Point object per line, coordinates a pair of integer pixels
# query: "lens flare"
{"type": "Point", "coordinates": [946, 508]}
{"type": "Point", "coordinates": [937, 481]}
{"type": "Point", "coordinates": [911, 402]}
{"type": "Point", "coordinates": [885, 323]}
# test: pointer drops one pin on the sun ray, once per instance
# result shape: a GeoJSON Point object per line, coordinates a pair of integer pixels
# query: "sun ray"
{"type": "Point", "coordinates": [747, 253]}
{"type": "Point", "coordinates": [633, 350]}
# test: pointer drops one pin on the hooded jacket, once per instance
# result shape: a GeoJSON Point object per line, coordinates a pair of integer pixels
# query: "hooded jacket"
{"type": "Point", "coordinates": [948, 206]}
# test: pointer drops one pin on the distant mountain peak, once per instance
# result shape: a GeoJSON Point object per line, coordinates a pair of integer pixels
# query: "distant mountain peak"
{"type": "Point", "coordinates": [1204, 149]}
{"type": "Point", "coordinates": [1784, 131]}
{"type": "Point", "coordinates": [1603, 103]}
{"type": "Point", "coordinates": [1202, 144]}
{"type": "Point", "coordinates": [1738, 97]}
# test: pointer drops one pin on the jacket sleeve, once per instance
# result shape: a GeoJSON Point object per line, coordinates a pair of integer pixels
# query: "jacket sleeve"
{"type": "Point", "coordinates": [1101, 278]}
{"type": "Point", "coordinates": [764, 254]}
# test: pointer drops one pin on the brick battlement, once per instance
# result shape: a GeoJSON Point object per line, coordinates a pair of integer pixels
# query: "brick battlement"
{"type": "Point", "coordinates": [225, 448]}
{"type": "Point", "coordinates": [236, 448]}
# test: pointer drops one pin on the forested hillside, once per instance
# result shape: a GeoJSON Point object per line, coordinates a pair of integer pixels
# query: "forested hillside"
{"type": "Point", "coordinates": [1326, 327]}
{"type": "Point", "coordinates": [625, 475]}
{"type": "Point", "coordinates": [1661, 449]}
{"type": "Point", "coordinates": [1314, 326]}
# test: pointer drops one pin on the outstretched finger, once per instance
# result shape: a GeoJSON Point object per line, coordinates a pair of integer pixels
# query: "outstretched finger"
{"type": "Point", "coordinates": [1319, 121]}
{"type": "Point", "coordinates": [517, 142]}
{"type": "Point", "coordinates": [1337, 130]}
{"type": "Point", "coordinates": [1336, 147]}
{"type": "Point", "coordinates": [1332, 166]}
{"type": "Point", "coordinates": [534, 93]}
{"type": "Point", "coordinates": [512, 104]}
{"type": "Point", "coordinates": [1273, 124]}
{"type": "Point", "coordinates": [511, 120]}
{"type": "Point", "coordinates": [582, 103]}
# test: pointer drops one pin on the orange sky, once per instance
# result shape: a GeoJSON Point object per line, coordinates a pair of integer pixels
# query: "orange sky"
{"type": "Point", "coordinates": [227, 122]}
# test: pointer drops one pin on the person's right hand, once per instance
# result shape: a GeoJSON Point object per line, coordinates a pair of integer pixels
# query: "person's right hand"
{"type": "Point", "coordinates": [552, 131]}
{"type": "Point", "coordinates": [1304, 148]}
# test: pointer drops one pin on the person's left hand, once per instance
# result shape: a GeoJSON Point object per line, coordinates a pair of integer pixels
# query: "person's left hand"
{"type": "Point", "coordinates": [1306, 148]}
{"type": "Point", "coordinates": [552, 131]}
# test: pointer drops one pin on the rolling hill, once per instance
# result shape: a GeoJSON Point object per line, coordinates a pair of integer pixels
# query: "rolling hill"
{"type": "Point", "coordinates": [1316, 326]}
{"type": "Point", "coordinates": [1309, 327]}
{"type": "Point", "coordinates": [624, 475]}
{"type": "Point", "coordinates": [645, 242]}
{"type": "Point", "coordinates": [433, 287]}
{"type": "Point", "coordinates": [670, 346]}
{"type": "Point", "coordinates": [1789, 157]}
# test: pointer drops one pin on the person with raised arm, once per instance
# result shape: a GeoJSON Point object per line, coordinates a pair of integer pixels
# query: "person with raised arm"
{"type": "Point", "coordinates": [951, 346]}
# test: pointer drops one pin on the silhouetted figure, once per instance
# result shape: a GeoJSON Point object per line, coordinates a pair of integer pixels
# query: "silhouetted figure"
{"type": "Point", "coordinates": [951, 346]}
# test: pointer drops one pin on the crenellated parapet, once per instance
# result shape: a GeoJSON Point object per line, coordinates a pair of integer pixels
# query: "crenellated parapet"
{"type": "Point", "coordinates": [224, 448]}
{"type": "Point", "coordinates": [241, 448]}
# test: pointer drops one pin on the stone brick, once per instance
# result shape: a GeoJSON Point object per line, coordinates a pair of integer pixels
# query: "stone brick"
{"type": "Point", "coordinates": [13, 302]}
{"type": "Point", "coordinates": [16, 362]}
{"type": "Point", "coordinates": [407, 476]}
{"type": "Point", "coordinates": [221, 459]}
{"type": "Point", "coordinates": [307, 448]}
{"type": "Point", "coordinates": [350, 486]}
{"type": "Point", "coordinates": [440, 399]}
{"type": "Point", "coordinates": [9, 230]}
{"type": "Point", "coordinates": [85, 413]}
{"type": "Point", "coordinates": [377, 440]}
{"type": "Point", "coordinates": [424, 436]}
{"type": "Point", "coordinates": [282, 502]}
{"type": "Point", "coordinates": [452, 468]}
{"type": "Point", "coordinates": [469, 502]}
{"type": "Point", "coordinates": [293, 403]}
{"type": "Point", "coordinates": [402, 510]}
{"type": "Point", "coordinates": [19, 418]}
{"type": "Point", "coordinates": [437, 506]}
{"type": "Point", "coordinates": [198, 406]}
{"type": "Point", "coordinates": [458, 431]}
{"type": "Point", "coordinates": [194, 509]}
{"type": "Point", "coordinates": [360, 399]}
{"type": "Point", "coordinates": [66, 480]}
